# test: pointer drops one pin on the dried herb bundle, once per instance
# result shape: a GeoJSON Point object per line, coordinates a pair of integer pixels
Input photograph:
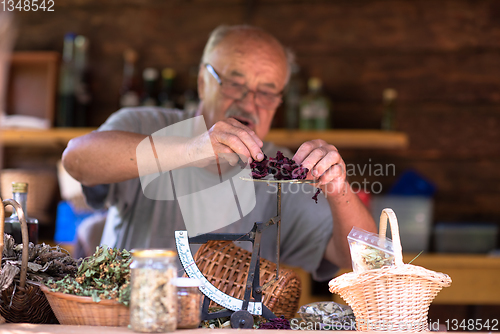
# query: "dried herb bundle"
{"type": "Point", "coordinates": [44, 262]}
{"type": "Point", "coordinates": [104, 275]}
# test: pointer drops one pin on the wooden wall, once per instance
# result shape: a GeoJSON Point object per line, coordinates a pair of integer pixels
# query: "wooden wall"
{"type": "Point", "coordinates": [442, 56]}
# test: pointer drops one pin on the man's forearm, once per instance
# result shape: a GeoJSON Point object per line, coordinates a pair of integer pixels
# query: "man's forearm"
{"type": "Point", "coordinates": [347, 211]}
{"type": "Point", "coordinates": [114, 156]}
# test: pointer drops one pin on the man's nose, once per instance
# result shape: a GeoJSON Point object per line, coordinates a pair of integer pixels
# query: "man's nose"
{"type": "Point", "coordinates": [248, 102]}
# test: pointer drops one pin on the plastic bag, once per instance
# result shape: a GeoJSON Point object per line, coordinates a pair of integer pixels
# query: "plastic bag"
{"type": "Point", "coordinates": [369, 251]}
{"type": "Point", "coordinates": [327, 315]}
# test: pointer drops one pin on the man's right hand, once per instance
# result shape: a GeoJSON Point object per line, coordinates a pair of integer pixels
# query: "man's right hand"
{"type": "Point", "coordinates": [227, 139]}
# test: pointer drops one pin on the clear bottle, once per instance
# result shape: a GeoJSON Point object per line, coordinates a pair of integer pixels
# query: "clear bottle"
{"type": "Point", "coordinates": [149, 76]}
{"type": "Point", "coordinates": [129, 93]}
{"type": "Point", "coordinates": [292, 100]}
{"type": "Point", "coordinates": [189, 302]}
{"type": "Point", "coordinates": [166, 95]}
{"type": "Point", "coordinates": [82, 91]}
{"type": "Point", "coordinates": [12, 225]}
{"type": "Point", "coordinates": [153, 296]}
{"type": "Point", "coordinates": [315, 107]}
{"type": "Point", "coordinates": [67, 80]}
{"type": "Point", "coordinates": [389, 112]}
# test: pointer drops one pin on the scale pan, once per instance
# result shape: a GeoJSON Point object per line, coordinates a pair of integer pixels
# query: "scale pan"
{"type": "Point", "coordinates": [277, 181]}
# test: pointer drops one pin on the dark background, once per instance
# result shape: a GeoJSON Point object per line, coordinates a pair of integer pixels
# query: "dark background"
{"type": "Point", "coordinates": [442, 57]}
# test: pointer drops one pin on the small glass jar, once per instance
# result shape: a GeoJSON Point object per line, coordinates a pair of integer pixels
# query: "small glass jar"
{"type": "Point", "coordinates": [153, 295]}
{"type": "Point", "coordinates": [189, 301]}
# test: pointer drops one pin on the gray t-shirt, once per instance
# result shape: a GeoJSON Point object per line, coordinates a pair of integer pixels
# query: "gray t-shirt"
{"type": "Point", "coordinates": [136, 221]}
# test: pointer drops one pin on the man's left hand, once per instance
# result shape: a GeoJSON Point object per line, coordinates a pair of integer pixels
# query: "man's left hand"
{"type": "Point", "coordinates": [324, 163]}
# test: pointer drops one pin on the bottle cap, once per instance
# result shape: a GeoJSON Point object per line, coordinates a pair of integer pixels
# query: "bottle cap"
{"type": "Point", "coordinates": [19, 187]}
{"type": "Point", "coordinates": [390, 94]}
{"type": "Point", "coordinates": [150, 74]}
{"type": "Point", "coordinates": [314, 83]}
{"type": "Point", "coordinates": [187, 282]}
{"type": "Point", "coordinates": [168, 73]}
{"type": "Point", "coordinates": [153, 252]}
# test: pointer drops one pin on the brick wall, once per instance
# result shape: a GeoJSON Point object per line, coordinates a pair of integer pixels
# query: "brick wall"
{"type": "Point", "coordinates": [443, 57]}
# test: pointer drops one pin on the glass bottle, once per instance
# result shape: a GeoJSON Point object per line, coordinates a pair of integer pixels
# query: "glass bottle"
{"type": "Point", "coordinates": [314, 107]}
{"type": "Point", "coordinates": [149, 76]}
{"type": "Point", "coordinates": [292, 100]}
{"type": "Point", "coordinates": [389, 113]}
{"type": "Point", "coordinates": [129, 93]}
{"type": "Point", "coordinates": [189, 302]}
{"type": "Point", "coordinates": [191, 99]}
{"type": "Point", "coordinates": [166, 95]}
{"type": "Point", "coordinates": [82, 91]}
{"type": "Point", "coordinates": [12, 224]}
{"type": "Point", "coordinates": [67, 79]}
{"type": "Point", "coordinates": [153, 296]}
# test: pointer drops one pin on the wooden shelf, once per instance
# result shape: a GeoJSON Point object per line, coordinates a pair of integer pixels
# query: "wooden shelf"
{"type": "Point", "coordinates": [355, 139]}
{"type": "Point", "coordinates": [56, 137]}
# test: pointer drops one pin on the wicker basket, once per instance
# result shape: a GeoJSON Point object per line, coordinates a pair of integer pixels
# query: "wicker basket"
{"type": "Point", "coordinates": [395, 298]}
{"type": "Point", "coordinates": [78, 310]}
{"type": "Point", "coordinates": [24, 302]}
{"type": "Point", "coordinates": [226, 265]}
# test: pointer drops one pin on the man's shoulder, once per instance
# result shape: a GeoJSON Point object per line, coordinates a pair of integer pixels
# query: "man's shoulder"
{"type": "Point", "coordinates": [144, 119]}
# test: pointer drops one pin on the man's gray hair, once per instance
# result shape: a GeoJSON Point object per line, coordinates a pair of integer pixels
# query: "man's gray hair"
{"type": "Point", "coordinates": [219, 33]}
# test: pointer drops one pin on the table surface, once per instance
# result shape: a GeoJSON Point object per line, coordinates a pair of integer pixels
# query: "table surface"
{"type": "Point", "coordinates": [63, 329]}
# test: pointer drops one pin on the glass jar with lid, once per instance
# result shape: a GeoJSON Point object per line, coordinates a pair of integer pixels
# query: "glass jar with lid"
{"type": "Point", "coordinates": [189, 299]}
{"type": "Point", "coordinates": [153, 296]}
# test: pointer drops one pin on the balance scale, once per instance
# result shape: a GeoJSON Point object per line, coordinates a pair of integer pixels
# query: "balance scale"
{"type": "Point", "coordinates": [239, 310]}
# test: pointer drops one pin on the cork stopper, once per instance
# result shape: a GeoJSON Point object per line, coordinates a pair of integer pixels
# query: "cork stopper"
{"type": "Point", "coordinates": [19, 187]}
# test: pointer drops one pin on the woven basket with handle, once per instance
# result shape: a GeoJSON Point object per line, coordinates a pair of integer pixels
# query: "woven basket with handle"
{"type": "Point", "coordinates": [226, 265]}
{"type": "Point", "coordinates": [24, 302]}
{"type": "Point", "coordinates": [392, 298]}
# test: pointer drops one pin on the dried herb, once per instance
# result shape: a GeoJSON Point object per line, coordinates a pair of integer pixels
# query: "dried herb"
{"type": "Point", "coordinates": [104, 275]}
{"type": "Point", "coordinates": [367, 257]}
{"type": "Point", "coordinates": [281, 168]}
{"type": "Point", "coordinates": [276, 323]}
{"type": "Point", "coordinates": [188, 303]}
{"type": "Point", "coordinates": [154, 300]}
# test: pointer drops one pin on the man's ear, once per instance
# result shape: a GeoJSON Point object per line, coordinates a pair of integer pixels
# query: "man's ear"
{"type": "Point", "coordinates": [201, 83]}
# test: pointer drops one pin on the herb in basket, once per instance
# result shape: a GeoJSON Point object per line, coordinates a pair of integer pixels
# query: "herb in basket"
{"type": "Point", "coordinates": [104, 275]}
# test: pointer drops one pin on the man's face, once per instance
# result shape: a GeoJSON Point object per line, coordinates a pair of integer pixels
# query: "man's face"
{"type": "Point", "coordinates": [253, 63]}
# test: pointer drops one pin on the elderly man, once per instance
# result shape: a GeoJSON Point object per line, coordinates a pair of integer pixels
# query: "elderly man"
{"type": "Point", "coordinates": [241, 78]}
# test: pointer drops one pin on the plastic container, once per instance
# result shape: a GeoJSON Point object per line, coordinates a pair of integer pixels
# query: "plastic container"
{"type": "Point", "coordinates": [415, 214]}
{"type": "Point", "coordinates": [153, 296]}
{"type": "Point", "coordinates": [189, 301]}
{"type": "Point", "coordinates": [465, 237]}
{"type": "Point", "coordinates": [369, 251]}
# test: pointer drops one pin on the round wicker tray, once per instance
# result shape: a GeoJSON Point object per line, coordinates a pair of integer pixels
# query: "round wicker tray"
{"type": "Point", "coordinates": [77, 310]}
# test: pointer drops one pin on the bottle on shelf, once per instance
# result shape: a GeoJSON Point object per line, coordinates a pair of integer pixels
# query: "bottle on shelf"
{"type": "Point", "coordinates": [82, 92]}
{"type": "Point", "coordinates": [150, 77]}
{"type": "Point", "coordinates": [67, 78]}
{"type": "Point", "coordinates": [166, 97]}
{"type": "Point", "coordinates": [191, 100]}
{"type": "Point", "coordinates": [389, 110]}
{"type": "Point", "coordinates": [292, 100]}
{"type": "Point", "coordinates": [12, 224]}
{"type": "Point", "coordinates": [129, 93]}
{"type": "Point", "coordinates": [315, 107]}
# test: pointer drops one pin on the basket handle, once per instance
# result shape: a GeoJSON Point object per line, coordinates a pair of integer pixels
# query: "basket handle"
{"type": "Point", "coordinates": [24, 234]}
{"type": "Point", "coordinates": [388, 214]}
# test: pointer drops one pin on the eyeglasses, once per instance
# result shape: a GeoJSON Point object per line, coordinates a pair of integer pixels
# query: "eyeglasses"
{"type": "Point", "coordinates": [238, 92]}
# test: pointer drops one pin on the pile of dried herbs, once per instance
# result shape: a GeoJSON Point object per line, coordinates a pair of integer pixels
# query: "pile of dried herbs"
{"type": "Point", "coordinates": [44, 262]}
{"type": "Point", "coordinates": [104, 275]}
